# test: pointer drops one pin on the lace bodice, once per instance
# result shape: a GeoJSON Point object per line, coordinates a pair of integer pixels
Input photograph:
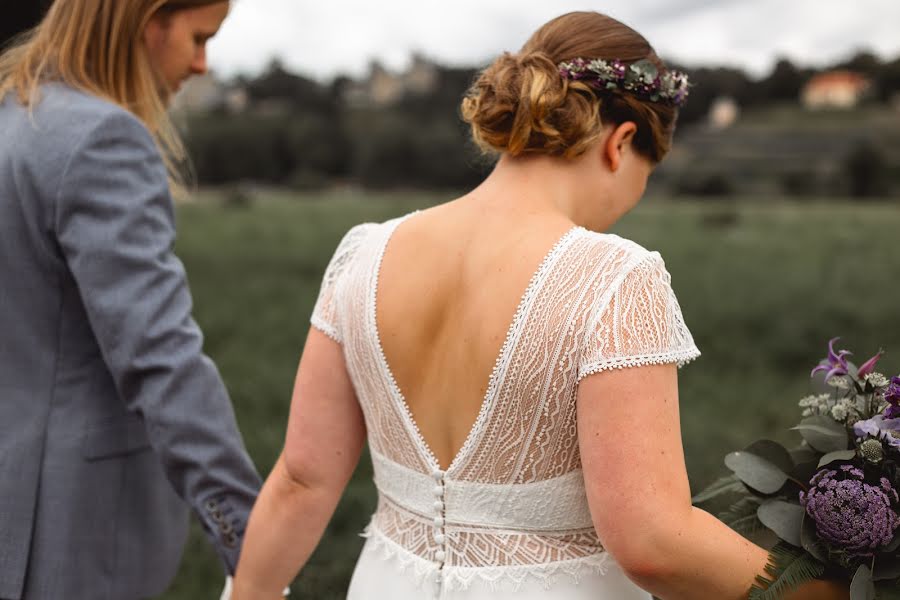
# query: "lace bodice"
{"type": "Point", "coordinates": [512, 503]}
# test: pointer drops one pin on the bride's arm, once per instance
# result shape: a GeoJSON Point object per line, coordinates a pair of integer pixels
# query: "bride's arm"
{"type": "Point", "coordinates": [325, 436]}
{"type": "Point", "coordinates": [630, 440]}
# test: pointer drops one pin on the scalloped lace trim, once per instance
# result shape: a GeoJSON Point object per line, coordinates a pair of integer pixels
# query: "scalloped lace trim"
{"type": "Point", "coordinates": [325, 328]}
{"type": "Point", "coordinates": [680, 357]}
{"type": "Point", "coordinates": [506, 578]}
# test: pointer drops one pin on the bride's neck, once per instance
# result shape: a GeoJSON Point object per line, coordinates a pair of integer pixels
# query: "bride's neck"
{"type": "Point", "coordinates": [546, 187]}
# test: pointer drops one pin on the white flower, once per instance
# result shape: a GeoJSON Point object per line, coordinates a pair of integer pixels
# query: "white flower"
{"type": "Point", "coordinates": [876, 379]}
{"type": "Point", "coordinates": [840, 382]}
{"type": "Point", "coordinates": [839, 412]}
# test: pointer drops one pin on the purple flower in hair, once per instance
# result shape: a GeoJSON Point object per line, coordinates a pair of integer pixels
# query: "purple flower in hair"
{"type": "Point", "coordinates": [835, 363]}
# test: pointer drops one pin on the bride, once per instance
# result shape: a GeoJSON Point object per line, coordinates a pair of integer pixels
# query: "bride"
{"type": "Point", "coordinates": [512, 367]}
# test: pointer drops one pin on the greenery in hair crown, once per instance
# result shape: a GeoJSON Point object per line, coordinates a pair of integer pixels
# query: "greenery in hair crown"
{"type": "Point", "coordinates": [641, 78]}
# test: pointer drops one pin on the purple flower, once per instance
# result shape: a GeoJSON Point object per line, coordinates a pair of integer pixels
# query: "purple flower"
{"type": "Point", "coordinates": [869, 366]}
{"type": "Point", "coordinates": [851, 515]}
{"type": "Point", "coordinates": [880, 428]}
{"type": "Point", "coordinates": [835, 363]}
{"type": "Point", "coordinates": [892, 397]}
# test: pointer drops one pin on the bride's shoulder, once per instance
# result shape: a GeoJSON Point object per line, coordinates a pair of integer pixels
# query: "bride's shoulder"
{"type": "Point", "coordinates": [614, 251]}
{"type": "Point", "coordinates": [367, 231]}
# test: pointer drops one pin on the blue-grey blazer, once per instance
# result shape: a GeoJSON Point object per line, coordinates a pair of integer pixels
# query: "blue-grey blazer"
{"type": "Point", "coordinates": [112, 420]}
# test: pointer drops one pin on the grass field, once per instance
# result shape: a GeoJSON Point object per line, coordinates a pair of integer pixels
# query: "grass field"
{"type": "Point", "coordinates": [762, 287]}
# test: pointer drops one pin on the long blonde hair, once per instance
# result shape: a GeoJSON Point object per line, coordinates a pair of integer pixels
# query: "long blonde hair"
{"type": "Point", "coordinates": [97, 46]}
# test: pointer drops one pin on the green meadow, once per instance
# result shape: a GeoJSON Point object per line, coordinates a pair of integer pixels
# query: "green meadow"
{"type": "Point", "coordinates": [763, 285]}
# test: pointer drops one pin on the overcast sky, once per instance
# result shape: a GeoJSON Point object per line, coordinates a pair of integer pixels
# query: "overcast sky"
{"type": "Point", "coordinates": [325, 38]}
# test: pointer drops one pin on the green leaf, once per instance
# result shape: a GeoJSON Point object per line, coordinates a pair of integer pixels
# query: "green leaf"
{"type": "Point", "coordinates": [862, 587]}
{"type": "Point", "coordinates": [741, 516]}
{"type": "Point", "coordinates": [810, 541]}
{"type": "Point", "coordinates": [729, 484]}
{"type": "Point", "coordinates": [784, 518]}
{"type": "Point", "coordinates": [773, 452]}
{"type": "Point", "coordinates": [823, 433]}
{"type": "Point", "coordinates": [788, 568]}
{"type": "Point", "coordinates": [804, 454]}
{"type": "Point", "coordinates": [837, 455]}
{"type": "Point", "coordinates": [895, 543]}
{"type": "Point", "coordinates": [805, 471]}
{"type": "Point", "coordinates": [763, 465]}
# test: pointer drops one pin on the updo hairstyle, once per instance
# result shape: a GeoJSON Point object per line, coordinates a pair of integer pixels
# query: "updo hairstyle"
{"type": "Point", "coordinates": [521, 104]}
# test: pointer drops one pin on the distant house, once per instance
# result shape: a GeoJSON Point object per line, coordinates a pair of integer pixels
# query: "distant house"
{"type": "Point", "coordinates": [206, 92]}
{"type": "Point", "coordinates": [835, 89]}
{"type": "Point", "coordinates": [723, 113]}
{"type": "Point", "coordinates": [384, 88]}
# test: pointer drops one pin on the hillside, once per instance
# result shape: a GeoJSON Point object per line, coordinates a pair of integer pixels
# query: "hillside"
{"type": "Point", "coordinates": [786, 149]}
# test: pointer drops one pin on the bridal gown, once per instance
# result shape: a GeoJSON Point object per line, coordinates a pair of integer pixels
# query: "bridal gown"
{"type": "Point", "coordinates": [508, 518]}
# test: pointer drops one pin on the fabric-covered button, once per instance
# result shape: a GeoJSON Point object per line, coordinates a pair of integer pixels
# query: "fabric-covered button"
{"type": "Point", "coordinates": [439, 521]}
{"type": "Point", "coordinates": [440, 538]}
{"type": "Point", "coordinates": [440, 556]}
{"type": "Point", "coordinates": [437, 474]}
{"type": "Point", "coordinates": [438, 491]}
{"type": "Point", "coordinates": [438, 506]}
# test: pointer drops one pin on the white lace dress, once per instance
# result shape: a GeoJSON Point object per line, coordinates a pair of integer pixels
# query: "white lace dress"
{"type": "Point", "coordinates": [509, 517]}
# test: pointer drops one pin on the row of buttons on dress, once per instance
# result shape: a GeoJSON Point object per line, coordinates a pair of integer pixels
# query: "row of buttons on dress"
{"type": "Point", "coordinates": [439, 536]}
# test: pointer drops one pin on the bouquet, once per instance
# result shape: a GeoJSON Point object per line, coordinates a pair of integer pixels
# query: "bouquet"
{"type": "Point", "coordinates": [832, 502]}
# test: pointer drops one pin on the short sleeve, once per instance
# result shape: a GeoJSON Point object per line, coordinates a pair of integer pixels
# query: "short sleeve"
{"type": "Point", "coordinates": [325, 315]}
{"type": "Point", "coordinates": [639, 324]}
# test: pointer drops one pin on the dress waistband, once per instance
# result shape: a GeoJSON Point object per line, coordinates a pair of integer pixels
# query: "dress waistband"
{"type": "Point", "coordinates": [558, 504]}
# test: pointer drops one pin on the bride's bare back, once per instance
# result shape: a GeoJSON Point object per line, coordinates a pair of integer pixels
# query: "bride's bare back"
{"type": "Point", "coordinates": [449, 285]}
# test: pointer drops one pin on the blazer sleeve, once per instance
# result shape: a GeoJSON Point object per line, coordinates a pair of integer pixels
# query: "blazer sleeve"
{"type": "Point", "coordinates": [114, 223]}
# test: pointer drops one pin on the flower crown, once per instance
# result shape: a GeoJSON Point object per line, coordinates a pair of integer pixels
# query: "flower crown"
{"type": "Point", "coordinates": [641, 78]}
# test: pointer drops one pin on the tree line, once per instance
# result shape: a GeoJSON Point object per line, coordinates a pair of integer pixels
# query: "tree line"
{"type": "Point", "coordinates": [299, 132]}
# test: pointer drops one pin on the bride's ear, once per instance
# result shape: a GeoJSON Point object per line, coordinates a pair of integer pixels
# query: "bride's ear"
{"type": "Point", "coordinates": [618, 143]}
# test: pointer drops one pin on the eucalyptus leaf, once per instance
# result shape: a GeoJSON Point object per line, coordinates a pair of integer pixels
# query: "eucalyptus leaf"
{"type": "Point", "coordinates": [757, 472]}
{"type": "Point", "coordinates": [837, 455]}
{"type": "Point", "coordinates": [895, 543]}
{"type": "Point", "coordinates": [729, 484]}
{"type": "Point", "coordinates": [804, 454]}
{"type": "Point", "coordinates": [810, 541]}
{"type": "Point", "coordinates": [773, 452]}
{"type": "Point", "coordinates": [823, 433]}
{"type": "Point", "coordinates": [784, 518]}
{"type": "Point", "coordinates": [862, 587]}
{"type": "Point", "coordinates": [804, 471]}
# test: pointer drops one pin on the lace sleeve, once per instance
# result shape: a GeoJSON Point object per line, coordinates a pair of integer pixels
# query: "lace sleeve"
{"type": "Point", "coordinates": [640, 324]}
{"type": "Point", "coordinates": [325, 313]}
